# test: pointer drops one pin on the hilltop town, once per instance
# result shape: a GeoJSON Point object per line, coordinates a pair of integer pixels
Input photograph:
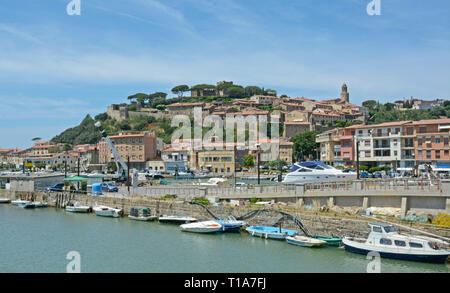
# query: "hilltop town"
{"type": "Point", "coordinates": [329, 130]}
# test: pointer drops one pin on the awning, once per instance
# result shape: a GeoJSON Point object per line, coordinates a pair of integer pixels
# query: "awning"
{"type": "Point", "coordinates": [76, 179]}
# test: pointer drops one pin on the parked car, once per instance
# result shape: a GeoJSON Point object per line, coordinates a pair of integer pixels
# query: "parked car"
{"type": "Point", "coordinates": [56, 187]}
{"type": "Point", "coordinates": [365, 175]}
{"type": "Point", "coordinates": [377, 174]}
{"type": "Point", "coordinates": [109, 187]}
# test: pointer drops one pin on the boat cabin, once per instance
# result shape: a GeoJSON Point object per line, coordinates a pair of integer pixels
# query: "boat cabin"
{"type": "Point", "coordinates": [385, 235]}
{"type": "Point", "coordinates": [140, 212]}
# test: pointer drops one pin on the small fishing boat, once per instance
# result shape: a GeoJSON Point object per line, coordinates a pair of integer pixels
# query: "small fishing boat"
{"type": "Point", "coordinates": [384, 240]}
{"type": "Point", "coordinates": [231, 224]}
{"type": "Point", "coordinates": [176, 219]}
{"type": "Point", "coordinates": [4, 200]}
{"type": "Point", "coordinates": [330, 241]}
{"type": "Point", "coordinates": [78, 208]}
{"type": "Point", "coordinates": [141, 214]}
{"type": "Point", "coordinates": [20, 202]}
{"type": "Point", "coordinates": [105, 211]}
{"type": "Point", "coordinates": [202, 227]}
{"type": "Point", "coordinates": [305, 241]}
{"type": "Point", "coordinates": [271, 232]}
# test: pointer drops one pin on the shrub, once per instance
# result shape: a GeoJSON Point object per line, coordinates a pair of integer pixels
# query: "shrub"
{"type": "Point", "coordinates": [202, 200]}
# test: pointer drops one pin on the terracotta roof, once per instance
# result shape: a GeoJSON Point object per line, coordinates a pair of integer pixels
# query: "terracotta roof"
{"type": "Point", "coordinates": [127, 135]}
{"type": "Point", "coordinates": [42, 146]}
{"type": "Point", "coordinates": [186, 104]}
{"type": "Point", "coordinates": [433, 121]}
{"type": "Point", "coordinates": [297, 123]}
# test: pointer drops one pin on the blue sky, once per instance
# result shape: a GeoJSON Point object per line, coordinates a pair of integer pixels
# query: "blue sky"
{"type": "Point", "coordinates": [56, 68]}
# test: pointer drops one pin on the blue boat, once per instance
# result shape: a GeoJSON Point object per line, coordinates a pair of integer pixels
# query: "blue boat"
{"type": "Point", "coordinates": [230, 224]}
{"type": "Point", "coordinates": [271, 232]}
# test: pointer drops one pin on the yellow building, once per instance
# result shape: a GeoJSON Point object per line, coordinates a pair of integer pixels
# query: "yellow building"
{"type": "Point", "coordinates": [216, 161]}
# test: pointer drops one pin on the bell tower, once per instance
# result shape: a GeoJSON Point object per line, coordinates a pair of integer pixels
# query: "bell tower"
{"type": "Point", "coordinates": [344, 94]}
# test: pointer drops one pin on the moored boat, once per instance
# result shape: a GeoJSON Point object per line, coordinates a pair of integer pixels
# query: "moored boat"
{"type": "Point", "coordinates": [316, 172]}
{"type": "Point", "coordinates": [4, 200]}
{"type": "Point", "coordinates": [231, 224]}
{"type": "Point", "coordinates": [141, 214]}
{"type": "Point", "coordinates": [176, 219]}
{"type": "Point", "coordinates": [20, 202]}
{"type": "Point", "coordinates": [105, 211]}
{"type": "Point", "coordinates": [330, 241]}
{"type": "Point", "coordinates": [384, 240]}
{"type": "Point", "coordinates": [78, 208]}
{"type": "Point", "coordinates": [202, 227]}
{"type": "Point", "coordinates": [305, 241]}
{"type": "Point", "coordinates": [270, 232]}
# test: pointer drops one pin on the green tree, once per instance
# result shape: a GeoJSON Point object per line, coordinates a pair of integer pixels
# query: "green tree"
{"type": "Point", "coordinates": [161, 107]}
{"type": "Point", "coordinates": [236, 92]}
{"type": "Point", "coordinates": [252, 90]}
{"type": "Point", "coordinates": [249, 161]}
{"type": "Point", "coordinates": [305, 144]}
{"type": "Point", "coordinates": [180, 90]}
{"type": "Point", "coordinates": [371, 104]}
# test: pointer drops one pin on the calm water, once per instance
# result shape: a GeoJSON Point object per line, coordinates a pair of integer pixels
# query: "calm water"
{"type": "Point", "coordinates": [39, 240]}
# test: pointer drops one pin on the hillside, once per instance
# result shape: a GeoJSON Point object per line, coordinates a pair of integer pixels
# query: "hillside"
{"type": "Point", "coordinates": [85, 133]}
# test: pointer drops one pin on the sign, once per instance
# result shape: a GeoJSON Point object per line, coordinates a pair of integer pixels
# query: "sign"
{"type": "Point", "coordinates": [29, 164]}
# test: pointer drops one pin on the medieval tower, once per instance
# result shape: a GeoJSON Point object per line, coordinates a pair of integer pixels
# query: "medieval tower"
{"type": "Point", "coordinates": [344, 94]}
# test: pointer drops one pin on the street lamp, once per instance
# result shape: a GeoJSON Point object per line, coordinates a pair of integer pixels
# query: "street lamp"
{"type": "Point", "coordinates": [258, 146]}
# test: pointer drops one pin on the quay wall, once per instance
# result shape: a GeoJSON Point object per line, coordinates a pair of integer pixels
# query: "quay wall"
{"type": "Point", "coordinates": [318, 223]}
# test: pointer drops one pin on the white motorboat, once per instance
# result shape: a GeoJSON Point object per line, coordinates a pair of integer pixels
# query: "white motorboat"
{"type": "Point", "coordinates": [315, 171]}
{"type": "Point", "coordinates": [141, 214]}
{"type": "Point", "coordinates": [4, 200]}
{"type": "Point", "coordinates": [78, 208]}
{"type": "Point", "coordinates": [176, 219]}
{"type": "Point", "coordinates": [105, 211]}
{"type": "Point", "coordinates": [305, 241]}
{"type": "Point", "coordinates": [384, 240]}
{"type": "Point", "coordinates": [202, 227]}
{"type": "Point", "coordinates": [20, 202]}
{"type": "Point", "coordinates": [213, 182]}
{"type": "Point", "coordinates": [35, 204]}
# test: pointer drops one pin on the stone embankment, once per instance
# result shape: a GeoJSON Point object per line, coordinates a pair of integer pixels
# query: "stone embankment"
{"type": "Point", "coordinates": [328, 222]}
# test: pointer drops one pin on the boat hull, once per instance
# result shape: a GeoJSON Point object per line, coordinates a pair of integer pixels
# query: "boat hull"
{"type": "Point", "coordinates": [19, 203]}
{"type": "Point", "coordinates": [4, 200]}
{"type": "Point", "coordinates": [330, 241]}
{"type": "Point", "coordinates": [271, 232]}
{"type": "Point", "coordinates": [202, 227]}
{"type": "Point", "coordinates": [432, 258]}
{"type": "Point", "coordinates": [231, 227]}
{"type": "Point", "coordinates": [108, 212]}
{"type": "Point", "coordinates": [176, 220]}
{"type": "Point", "coordinates": [78, 209]}
{"type": "Point", "coordinates": [144, 219]}
{"type": "Point", "coordinates": [292, 240]}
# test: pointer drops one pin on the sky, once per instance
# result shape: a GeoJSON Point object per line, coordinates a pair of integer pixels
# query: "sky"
{"type": "Point", "coordinates": [56, 68]}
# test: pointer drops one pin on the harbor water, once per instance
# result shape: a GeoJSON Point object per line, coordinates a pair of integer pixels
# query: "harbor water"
{"type": "Point", "coordinates": [39, 241]}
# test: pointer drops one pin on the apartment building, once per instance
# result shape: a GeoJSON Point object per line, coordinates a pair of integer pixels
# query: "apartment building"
{"type": "Point", "coordinates": [138, 147]}
{"type": "Point", "coordinates": [399, 145]}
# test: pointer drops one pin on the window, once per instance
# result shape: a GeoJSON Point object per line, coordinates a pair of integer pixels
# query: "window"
{"type": "Point", "coordinates": [420, 153]}
{"type": "Point", "coordinates": [385, 241]}
{"type": "Point", "coordinates": [437, 140]}
{"type": "Point", "coordinates": [419, 142]}
{"type": "Point", "coordinates": [400, 243]}
{"type": "Point", "coordinates": [415, 245]}
{"type": "Point", "coordinates": [445, 140]}
{"type": "Point", "coordinates": [438, 154]}
{"type": "Point", "coordinates": [367, 142]}
{"type": "Point", "coordinates": [377, 229]}
{"type": "Point", "coordinates": [422, 130]}
{"type": "Point", "coordinates": [367, 154]}
{"type": "Point", "coordinates": [428, 154]}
